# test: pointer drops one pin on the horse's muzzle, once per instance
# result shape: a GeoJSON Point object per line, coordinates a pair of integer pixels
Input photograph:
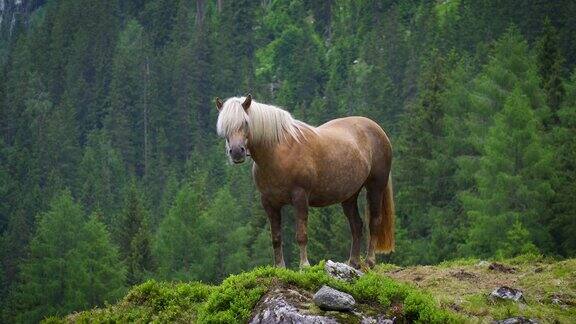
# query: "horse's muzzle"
{"type": "Point", "coordinates": [237, 154]}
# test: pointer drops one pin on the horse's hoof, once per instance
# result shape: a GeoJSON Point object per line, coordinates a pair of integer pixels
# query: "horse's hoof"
{"type": "Point", "coordinates": [370, 263]}
{"type": "Point", "coordinates": [354, 264]}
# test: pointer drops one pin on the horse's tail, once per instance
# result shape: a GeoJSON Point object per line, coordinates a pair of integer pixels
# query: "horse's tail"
{"type": "Point", "coordinates": [385, 232]}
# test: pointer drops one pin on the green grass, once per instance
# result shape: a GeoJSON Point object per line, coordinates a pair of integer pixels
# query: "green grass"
{"type": "Point", "coordinates": [454, 291]}
{"type": "Point", "coordinates": [463, 286]}
{"type": "Point", "coordinates": [233, 300]}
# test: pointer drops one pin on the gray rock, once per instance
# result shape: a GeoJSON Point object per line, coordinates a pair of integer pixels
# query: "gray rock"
{"type": "Point", "coordinates": [377, 320]}
{"type": "Point", "coordinates": [507, 293]}
{"type": "Point", "coordinates": [342, 271]}
{"type": "Point", "coordinates": [290, 305]}
{"type": "Point", "coordinates": [331, 299]}
{"type": "Point", "coordinates": [286, 306]}
{"type": "Point", "coordinates": [516, 320]}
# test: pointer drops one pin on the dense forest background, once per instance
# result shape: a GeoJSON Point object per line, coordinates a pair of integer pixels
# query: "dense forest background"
{"type": "Point", "coordinates": [111, 171]}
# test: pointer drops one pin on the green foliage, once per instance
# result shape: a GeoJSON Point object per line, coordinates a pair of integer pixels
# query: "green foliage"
{"type": "Point", "coordinates": [101, 176]}
{"type": "Point", "coordinates": [565, 140]}
{"type": "Point", "coordinates": [114, 100]}
{"type": "Point", "coordinates": [224, 248]}
{"type": "Point", "coordinates": [513, 181]}
{"type": "Point", "coordinates": [72, 265]}
{"type": "Point", "coordinates": [327, 237]}
{"type": "Point", "coordinates": [133, 236]}
{"type": "Point", "coordinates": [550, 68]}
{"type": "Point", "coordinates": [232, 301]}
{"type": "Point", "coordinates": [178, 245]}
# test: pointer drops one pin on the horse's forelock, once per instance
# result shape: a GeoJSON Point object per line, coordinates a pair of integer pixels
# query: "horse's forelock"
{"type": "Point", "coordinates": [231, 118]}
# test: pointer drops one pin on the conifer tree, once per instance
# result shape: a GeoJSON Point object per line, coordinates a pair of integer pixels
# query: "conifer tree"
{"type": "Point", "coordinates": [550, 69]}
{"type": "Point", "coordinates": [564, 223]}
{"type": "Point", "coordinates": [72, 265]}
{"type": "Point", "coordinates": [511, 65]}
{"type": "Point", "coordinates": [513, 181]}
{"type": "Point", "coordinates": [133, 236]}
{"type": "Point", "coordinates": [106, 274]}
{"type": "Point", "coordinates": [177, 245]}
{"type": "Point", "coordinates": [131, 98]}
{"type": "Point", "coordinates": [329, 235]}
{"type": "Point", "coordinates": [101, 176]}
{"type": "Point", "coordinates": [422, 172]}
{"type": "Point", "coordinates": [224, 248]}
{"type": "Point", "coordinates": [261, 246]}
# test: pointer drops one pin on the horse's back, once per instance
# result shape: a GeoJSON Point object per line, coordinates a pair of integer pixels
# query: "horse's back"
{"type": "Point", "coordinates": [364, 132]}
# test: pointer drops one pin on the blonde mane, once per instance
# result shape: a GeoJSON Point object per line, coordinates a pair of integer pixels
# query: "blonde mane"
{"type": "Point", "coordinates": [267, 124]}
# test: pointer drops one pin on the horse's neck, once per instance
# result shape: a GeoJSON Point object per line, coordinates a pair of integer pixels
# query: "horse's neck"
{"type": "Point", "coordinates": [263, 154]}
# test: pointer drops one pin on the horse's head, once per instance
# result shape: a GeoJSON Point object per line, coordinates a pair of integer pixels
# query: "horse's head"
{"type": "Point", "coordinates": [233, 126]}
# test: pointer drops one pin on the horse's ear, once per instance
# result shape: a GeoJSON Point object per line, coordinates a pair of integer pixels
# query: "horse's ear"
{"type": "Point", "coordinates": [219, 103]}
{"type": "Point", "coordinates": [247, 102]}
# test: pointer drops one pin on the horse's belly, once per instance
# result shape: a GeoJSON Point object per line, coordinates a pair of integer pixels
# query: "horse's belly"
{"type": "Point", "coordinates": [338, 184]}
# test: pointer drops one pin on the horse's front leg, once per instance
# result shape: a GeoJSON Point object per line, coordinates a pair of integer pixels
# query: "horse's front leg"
{"type": "Point", "coordinates": [275, 218]}
{"type": "Point", "coordinates": [300, 203]}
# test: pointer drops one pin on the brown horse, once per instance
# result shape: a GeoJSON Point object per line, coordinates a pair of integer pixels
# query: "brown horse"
{"type": "Point", "coordinates": [302, 165]}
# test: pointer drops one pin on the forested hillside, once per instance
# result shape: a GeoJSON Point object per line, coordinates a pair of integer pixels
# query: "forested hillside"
{"type": "Point", "coordinates": [111, 171]}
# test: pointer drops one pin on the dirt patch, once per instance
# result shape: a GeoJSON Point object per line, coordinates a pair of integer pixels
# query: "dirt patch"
{"type": "Point", "coordinates": [455, 307]}
{"type": "Point", "coordinates": [464, 275]}
{"type": "Point", "coordinates": [501, 268]}
{"type": "Point", "coordinates": [471, 280]}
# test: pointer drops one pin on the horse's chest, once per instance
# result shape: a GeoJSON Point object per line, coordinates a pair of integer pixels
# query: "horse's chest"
{"type": "Point", "coordinates": [274, 185]}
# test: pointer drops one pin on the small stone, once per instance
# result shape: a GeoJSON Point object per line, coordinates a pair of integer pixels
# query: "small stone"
{"type": "Point", "coordinates": [331, 299]}
{"type": "Point", "coordinates": [342, 271]}
{"type": "Point", "coordinates": [507, 293]}
{"type": "Point", "coordinates": [377, 320]}
{"type": "Point", "coordinates": [483, 264]}
{"type": "Point", "coordinates": [516, 320]}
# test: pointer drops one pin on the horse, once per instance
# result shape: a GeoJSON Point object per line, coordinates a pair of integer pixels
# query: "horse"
{"type": "Point", "coordinates": [301, 165]}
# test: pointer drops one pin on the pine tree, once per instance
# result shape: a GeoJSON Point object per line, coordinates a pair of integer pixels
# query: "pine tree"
{"type": "Point", "coordinates": [225, 248]}
{"type": "Point", "coordinates": [177, 243]}
{"type": "Point", "coordinates": [94, 26]}
{"type": "Point", "coordinates": [511, 65]}
{"type": "Point", "coordinates": [101, 176]}
{"type": "Point", "coordinates": [71, 266]}
{"type": "Point", "coordinates": [328, 235]}
{"type": "Point", "coordinates": [133, 236]}
{"type": "Point", "coordinates": [550, 69]}
{"type": "Point", "coordinates": [298, 65]}
{"type": "Point", "coordinates": [423, 170]}
{"type": "Point", "coordinates": [106, 274]}
{"type": "Point", "coordinates": [513, 181]}
{"type": "Point", "coordinates": [131, 98]}
{"type": "Point", "coordinates": [564, 223]}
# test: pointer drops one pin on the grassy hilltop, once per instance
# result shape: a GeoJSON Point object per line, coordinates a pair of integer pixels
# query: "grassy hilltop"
{"type": "Point", "coordinates": [450, 292]}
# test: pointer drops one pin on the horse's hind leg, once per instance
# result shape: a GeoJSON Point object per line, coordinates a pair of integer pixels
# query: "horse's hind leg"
{"type": "Point", "coordinates": [350, 208]}
{"type": "Point", "coordinates": [300, 203]}
{"type": "Point", "coordinates": [374, 192]}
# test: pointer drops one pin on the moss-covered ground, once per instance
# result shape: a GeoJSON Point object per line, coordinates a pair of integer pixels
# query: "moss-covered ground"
{"type": "Point", "coordinates": [451, 292]}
